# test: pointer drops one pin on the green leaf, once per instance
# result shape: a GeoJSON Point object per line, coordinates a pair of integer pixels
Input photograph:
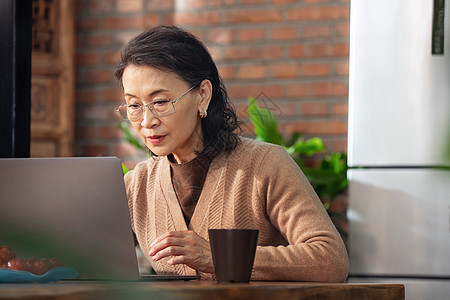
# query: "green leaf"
{"type": "Point", "coordinates": [265, 123]}
{"type": "Point", "coordinates": [125, 170]}
{"type": "Point", "coordinates": [336, 162]}
{"type": "Point", "coordinates": [129, 136]}
{"type": "Point", "coordinates": [321, 176]}
{"type": "Point", "coordinates": [310, 147]}
{"type": "Point", "coordinates": [293, 139]}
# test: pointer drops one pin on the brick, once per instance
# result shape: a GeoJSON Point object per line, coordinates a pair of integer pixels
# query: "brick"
{"type": "Point", "coordinates": [124, 149]}
{"type": "Point", "coordinates": [198, 32]}
{"type": "Point", "coordinates": [245, 91]}
{"type": "Point", "coordinates": [220, 35]}
{"type": "Point", "coordinates": [316, 31]}
{"type": "Point", "coordinates": [341, 68]}
{"type": "Point", "coordinates": [168, 19]}
{"type": "Point", "coordinates": [316, 1]}
{"type": "Point", "coordinates": [242, 111]}
{"type": "Point", "coordinates": [79, 76]}
{"type": "Point", "coordinates": [343, 29]}
{"type": "Point", "coordinates": [340, 109]}
{"type": "Point", "coordinates": [253, 1]}
{"type": "Point", "coordinates": [314, 108]}
{"type": "Point", "coordinates": [328, 127]}
{"type": "Point", "coordinates": [287, 109]}
{"type": "Point", "coordinates": [339, 145]}
{"type": "Point", "coordinates": [86, 59]}
{"type": "Point", "coordinates": [110, 132]}
{"type": "Point", "coordinates": [311, 69]}
{"type": "Point", "coordinates": [99, 40]}
{"type": "Point", "coordinates": [197, 18]}
{"type": "Point", "coordinates": [284, 33]}
{"type": "Point", "coordinates": [78, 7]}
{"type": "Point", "coordinates": [96, 150]}
{"type": "Point", "coordinates": [84, 132]}
{"type": "Point", "coordinates": [319, 50]}
{"type": "Point", "coordinates": [216, 53]}
{"type": "Point", "coordinates": [96, 6]}
{"type": "Point", "coordinates": [251, 34]}
{"type": "Point", "coordinates": [124, 37]}
{"type": "Point", "coordinates": [94, 113]}
{"type": "Point", "coordinates": [220, 3]}
{"type": "Point", "coordinates": [226, 72]}
{"type": "Point", "coordinates": [283, 1]}
{"type": "Point", "coordinates": [254, 16]}
{"type": "Point", "coordinates": [297, 51]}
{"type": "Point", "coordinates": [87, 24]}
{"type": "Point", "coordinates": [99, 76]}
{"type": "Point", "coordinates": [132, 22]}
{"type": "Point", "coordinates": [251, 72]}
{"type": "Point", "coordinates": [78, 42]}
{"type": "Point", "coordinates": [189, 4]}
{"type": "Point", "coordinates": [113, 95]}
{"type": "Point", "coordinates": [129, 5]}
{"type": "Point", "coordinates": [248, 129]}
{"type": "Point", "coordinates": [318, 13]}
{"type": "Point", "coordinates": [340, 49]}
{"type": "Point", "coordinates": [337, 89]}
{"type": "Point", "coordinates": [151, 20]}
{"type": "Point", "coordinates": [297, 90]}
{"type": "Point", "coordinates": [158, 5]}
{"type": "Point", "coordinates": [266, 52]}
{"type": "Point", "coordinates": [111, 58]}
{"type": "Point", "coordinates": [86, 95]}
{"type": "Point", "coordinates": [332, 89]}
{"type": "Point", "coordinates": [284, 70]}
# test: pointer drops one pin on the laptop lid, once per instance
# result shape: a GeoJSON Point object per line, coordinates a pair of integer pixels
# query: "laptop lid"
{"type": "Point", "coordinates": [74, 209]}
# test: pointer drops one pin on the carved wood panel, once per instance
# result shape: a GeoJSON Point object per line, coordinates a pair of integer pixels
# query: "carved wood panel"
{"type": "Point", "coordinates": [52, 80]}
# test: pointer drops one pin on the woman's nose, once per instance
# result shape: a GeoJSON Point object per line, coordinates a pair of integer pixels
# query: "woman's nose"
{"type": "Point", "coordinates": [148, 118]}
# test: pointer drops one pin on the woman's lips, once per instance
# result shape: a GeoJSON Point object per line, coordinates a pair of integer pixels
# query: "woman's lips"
{"type": "Point", "coordinates": [156, 139]}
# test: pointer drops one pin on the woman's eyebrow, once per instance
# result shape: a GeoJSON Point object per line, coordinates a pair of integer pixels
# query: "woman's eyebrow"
{"type": "Point", "coordinates": [155, 92]}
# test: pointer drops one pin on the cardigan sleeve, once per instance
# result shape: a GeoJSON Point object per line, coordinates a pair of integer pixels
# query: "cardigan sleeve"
{"type": "Point", "coordinates": [316, 251]}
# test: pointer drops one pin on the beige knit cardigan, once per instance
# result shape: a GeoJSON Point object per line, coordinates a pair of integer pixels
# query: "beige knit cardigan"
{"type": "Point", "coordinates": [257, 185]}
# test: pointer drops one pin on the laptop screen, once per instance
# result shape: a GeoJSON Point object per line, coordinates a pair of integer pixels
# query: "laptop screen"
{"type": "Point", "coordinates": [73, 209]}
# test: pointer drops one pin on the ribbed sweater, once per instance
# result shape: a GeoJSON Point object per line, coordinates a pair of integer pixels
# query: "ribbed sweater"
{"type": "Point", "coordinates": [258, 185]}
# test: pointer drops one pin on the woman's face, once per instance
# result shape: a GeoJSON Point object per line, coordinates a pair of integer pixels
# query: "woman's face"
{"type": "Point", "coordinates": [180, 133]}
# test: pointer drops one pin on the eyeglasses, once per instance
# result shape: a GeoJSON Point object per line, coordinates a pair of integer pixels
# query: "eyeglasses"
{"type": "Point", "coordinates": [134, 112]}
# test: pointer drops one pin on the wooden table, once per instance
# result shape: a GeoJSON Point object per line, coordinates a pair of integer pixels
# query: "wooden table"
{"type": "Point", "coordinates": [70, 290]}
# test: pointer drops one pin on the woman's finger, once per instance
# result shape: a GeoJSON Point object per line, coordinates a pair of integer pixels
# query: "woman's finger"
{"type": "Point", "coordinates": [167, 252]}
{"type": "Point", "coordinates": [184, 247]}
{"type": "Point", "coordinates": [173, 238]}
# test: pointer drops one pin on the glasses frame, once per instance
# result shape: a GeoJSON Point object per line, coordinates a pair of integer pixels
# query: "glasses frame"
{"type": "Point", "coordinates": [150, 106]}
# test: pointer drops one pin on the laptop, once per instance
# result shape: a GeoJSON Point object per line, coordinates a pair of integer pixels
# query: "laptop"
{"type": "Point", "coordinates": [73, 209]}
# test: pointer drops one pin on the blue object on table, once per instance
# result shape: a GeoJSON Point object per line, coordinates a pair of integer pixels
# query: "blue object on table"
{"type": "Point", "coordinates": [55, 274]}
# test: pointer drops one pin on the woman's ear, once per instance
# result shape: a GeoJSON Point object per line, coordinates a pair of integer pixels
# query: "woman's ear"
{"type": "Point", "coordinates": [205, 92]}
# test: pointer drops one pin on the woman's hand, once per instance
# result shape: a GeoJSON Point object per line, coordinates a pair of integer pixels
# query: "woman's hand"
{"type": "Point", "coordinates": [184, 247]}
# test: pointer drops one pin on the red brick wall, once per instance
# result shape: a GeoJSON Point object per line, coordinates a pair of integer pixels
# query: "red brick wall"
{"type": "Point", "coordinates": [291, 55]}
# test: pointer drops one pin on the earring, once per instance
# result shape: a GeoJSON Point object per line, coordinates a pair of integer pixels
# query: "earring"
{"type": "Point", "coordinates": [203, 113]}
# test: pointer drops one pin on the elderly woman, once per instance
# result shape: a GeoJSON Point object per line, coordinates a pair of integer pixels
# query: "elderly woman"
{"type": "Point", "coordinates": [202, 175]}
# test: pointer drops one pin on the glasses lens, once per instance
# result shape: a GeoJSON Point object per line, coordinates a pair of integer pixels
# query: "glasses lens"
{"type": "Point", "coordinates": [123, 112]}
{"type": "Point", "coordinates": [134, 112]}
{"type": "Point", "coordinates": [162, 108]}
{"type": "Point", "coordinates": [131, 112]}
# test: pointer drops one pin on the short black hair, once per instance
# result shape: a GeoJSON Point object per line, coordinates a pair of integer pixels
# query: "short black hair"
{"type": "Point", "coordinates": [173, 49]}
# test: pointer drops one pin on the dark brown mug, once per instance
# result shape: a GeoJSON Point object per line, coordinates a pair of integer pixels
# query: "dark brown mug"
{"type": "Point", "coordinates": [233, 252]}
